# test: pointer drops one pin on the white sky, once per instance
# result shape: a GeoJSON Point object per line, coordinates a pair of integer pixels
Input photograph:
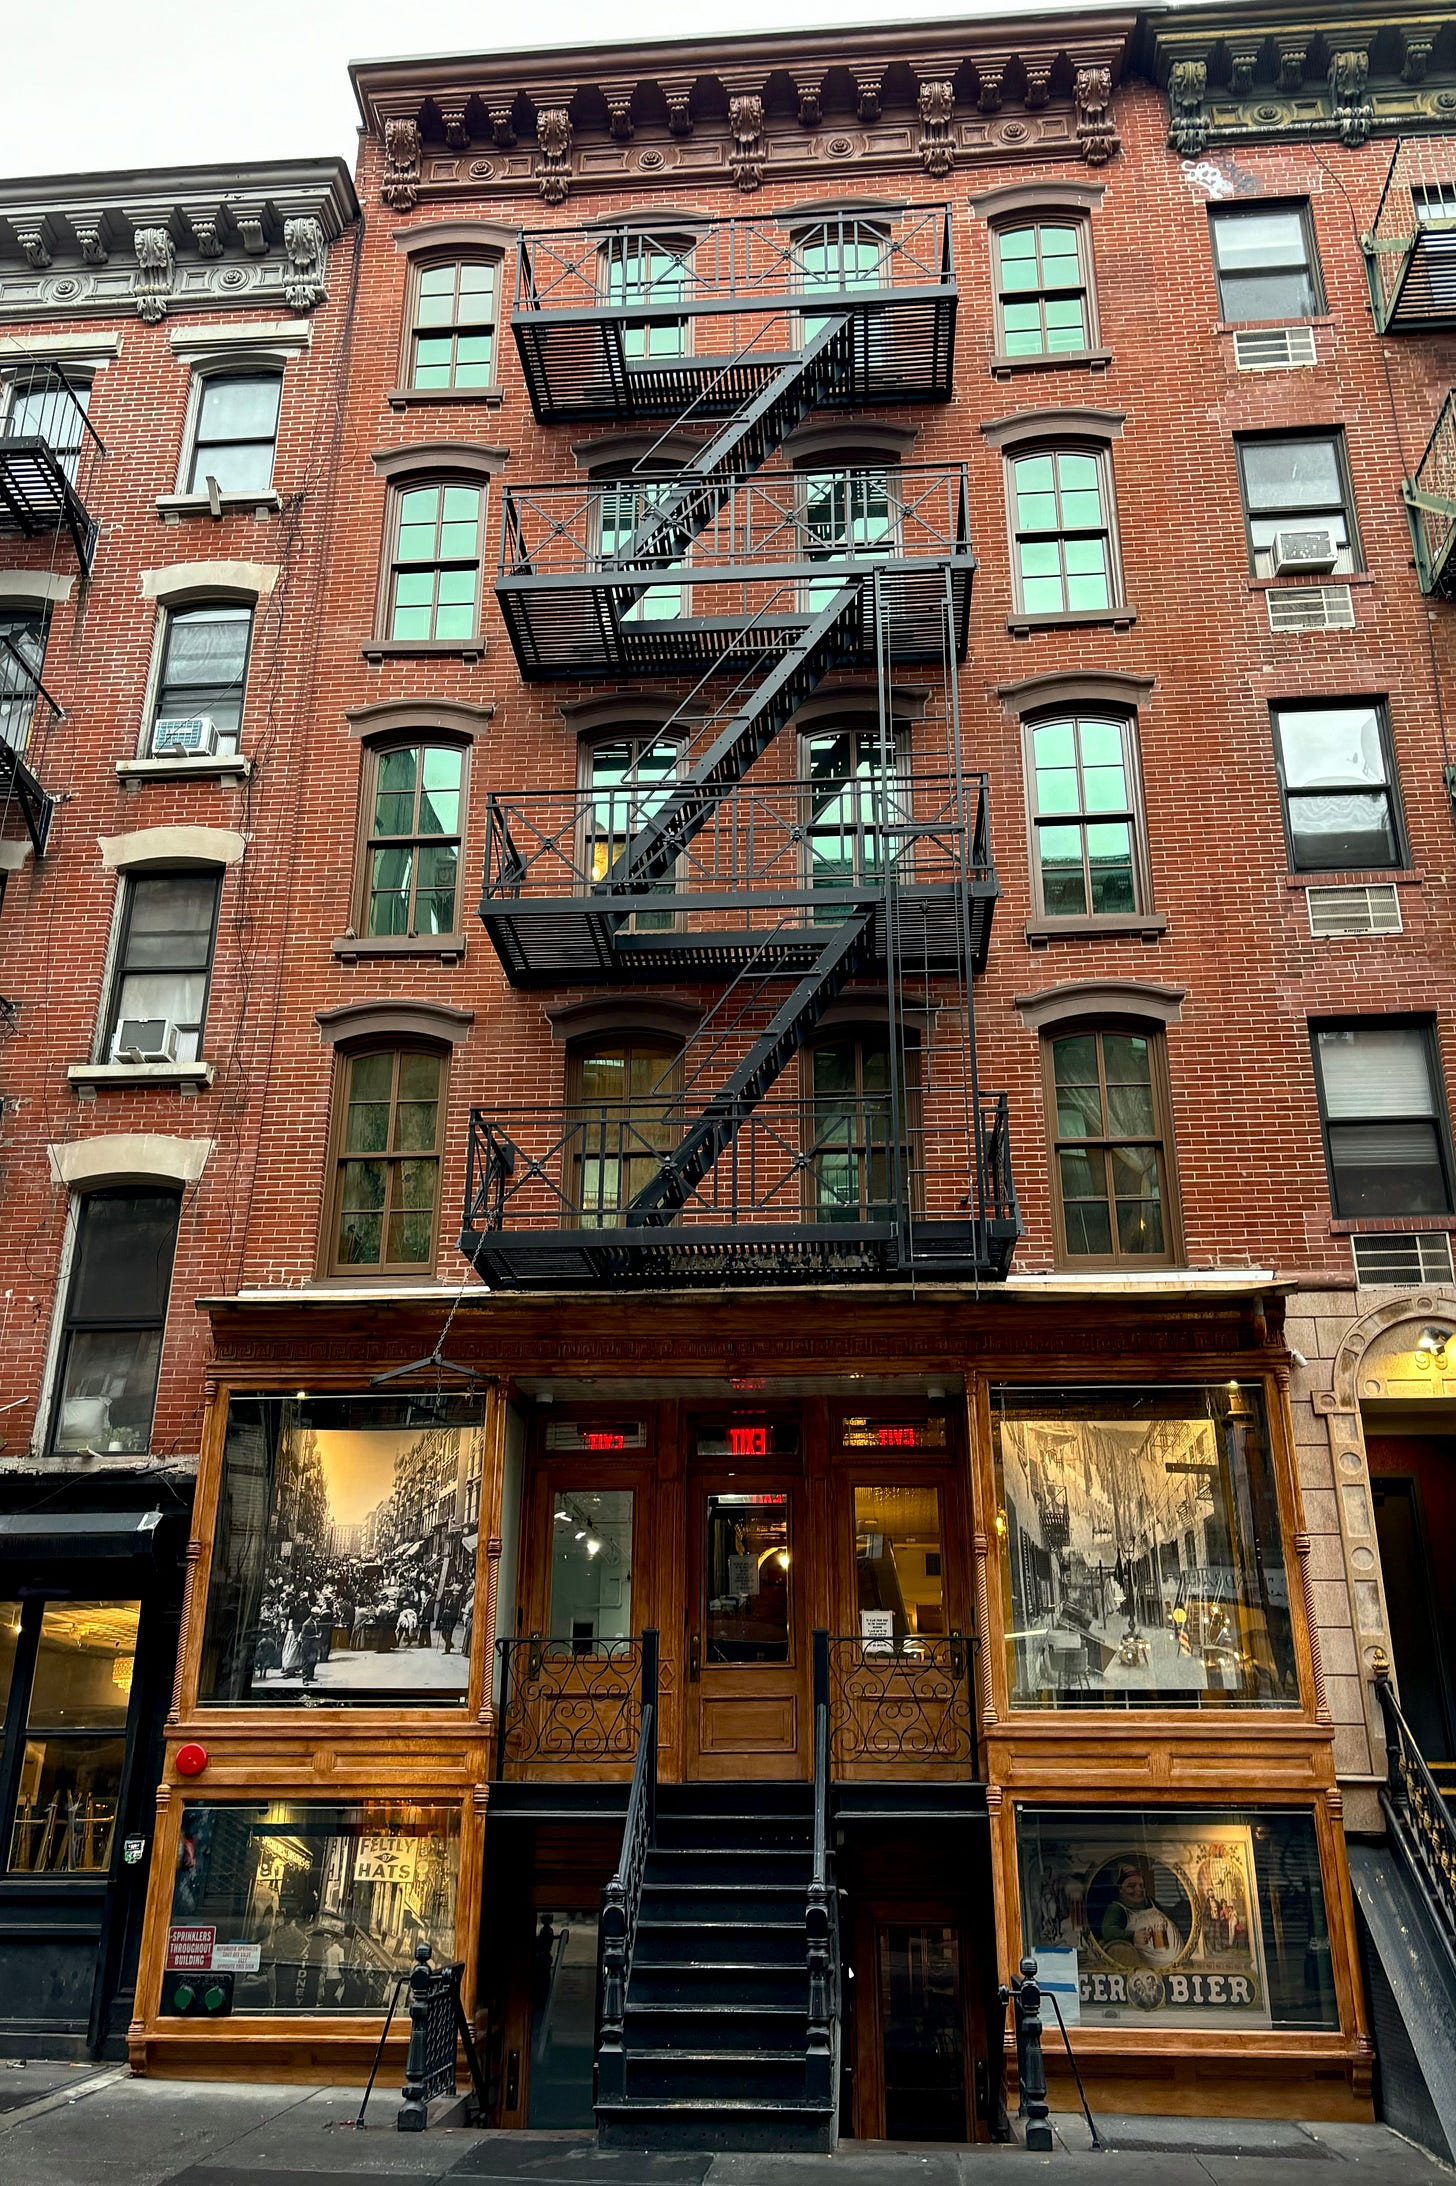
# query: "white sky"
{"type": "Point", "coordinates": [89, 84]}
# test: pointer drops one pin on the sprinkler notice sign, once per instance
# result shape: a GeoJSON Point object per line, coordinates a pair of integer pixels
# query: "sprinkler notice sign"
{"type": "Point", "coordinates": [189, 1950]}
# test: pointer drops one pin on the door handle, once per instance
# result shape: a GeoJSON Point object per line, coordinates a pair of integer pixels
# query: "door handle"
{"type": "Point", "coordinates": [695, 1659]}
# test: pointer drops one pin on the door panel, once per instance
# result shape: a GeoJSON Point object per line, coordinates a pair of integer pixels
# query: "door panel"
{"type": "Point", "coordinates": [748, 1651]}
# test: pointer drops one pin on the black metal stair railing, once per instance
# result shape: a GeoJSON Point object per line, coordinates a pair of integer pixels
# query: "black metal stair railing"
{"type": "Point", "coordinates": [623, 1894]}
{"type": "Point", "coordinates": [1420, 1819]}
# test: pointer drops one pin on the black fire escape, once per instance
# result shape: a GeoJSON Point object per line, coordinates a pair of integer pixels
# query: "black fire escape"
{"type": "Point", "coordinates": [749, 585]}
{"type": "Point", "coordinates": [48, 452]}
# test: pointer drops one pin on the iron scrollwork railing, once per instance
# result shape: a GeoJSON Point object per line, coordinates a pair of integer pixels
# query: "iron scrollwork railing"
{"type": "Point", "coordinates": [1419, 1818]}
{"type": "Point", "coordinates": [903, 1700]}
{"type": "Point", "coordinates": [623, 1894]}
{"type": "Point", "coordinates": [568, 1700]}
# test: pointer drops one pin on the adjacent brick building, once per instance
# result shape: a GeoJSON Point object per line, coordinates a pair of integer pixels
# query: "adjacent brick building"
{"type": "Point", "coordinates": [943, 515]}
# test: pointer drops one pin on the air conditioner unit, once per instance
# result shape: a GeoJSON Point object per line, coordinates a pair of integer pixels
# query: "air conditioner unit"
{"type": "Point", "coordinates": [146, 1040]}
{"type": "Point", "coordinates": [1305, 553]}
{"type": "Point", "coordinates": [185, 732]}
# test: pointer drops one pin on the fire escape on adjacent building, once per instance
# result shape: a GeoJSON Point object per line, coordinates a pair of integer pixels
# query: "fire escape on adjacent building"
{"type": "Point", "coordinates": [1410, 255]}
{"type": "Point", "coordinates": [790, 871]}
{"type": "Point", "coordinates": [48, 452]}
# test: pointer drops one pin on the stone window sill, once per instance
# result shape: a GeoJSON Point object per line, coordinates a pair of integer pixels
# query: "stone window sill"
{"type": "Point", "coordinates": [349, 948]}
{"type": "Point", "coordinates": [92, 1078]}
{"type": "Point", "coordinates": [1146, 925]}
{"type": "Point", "coordinates": [1106, 618]}
{"type": "Point", "coordinates": [185, 767]}
{"type": "Point", "coordinates": [1087, 360]}
{"type": "Point", "coordinates": [419, 398]}
{"type": "Point", "coordinates": [1401, 876]}
{"type": "Point", "coordinates": [171, 507]}
{"type": "Point", "coordinates": [1344, 1225]}
{"type": "Point", "coordinates": [1306, 583]}
{"type": "Point", "coordinates": [468, 650]}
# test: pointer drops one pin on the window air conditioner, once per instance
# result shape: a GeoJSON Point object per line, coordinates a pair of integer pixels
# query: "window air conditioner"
{"type": "Point", "coordinates": [146, 1040]}
{"type": "Point", "coordinates": [1305, 553]}
{"type": "Point", "coordinates": [195, 732]}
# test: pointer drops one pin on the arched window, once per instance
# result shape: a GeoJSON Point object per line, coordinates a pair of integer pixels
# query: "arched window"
{"type": "Point", "coordinates": [434, 574]}
{"type": "Point", "coordinates": [621, 1119]}
{"type": "Point", "coordinates": [627, 779]}
{"type": "Point", "coordinates": [414, 817]}
{"type": "Point", "coordinates": [1110, 1127]}
{"type": "Point", "coordinates": [647, 269]}
{"type": "Point", "coordinates": [388, 1135]}
{"type": "Point", "coordinates": [857, 797]}
{"type": "Point", "coordinates": [234, 432]}
{"type": "Point", "coordinates": [454, 308]}
{"type": "Point", "coordinates": [862, 1126]}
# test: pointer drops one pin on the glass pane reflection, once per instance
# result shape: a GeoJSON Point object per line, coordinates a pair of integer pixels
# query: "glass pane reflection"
{"type": "Point", "coordinates": [747, 1537]}
{"type": "Point", "coordinates": [591, 1566]}
{"type": "Point", "coordinates": [898, 1562]}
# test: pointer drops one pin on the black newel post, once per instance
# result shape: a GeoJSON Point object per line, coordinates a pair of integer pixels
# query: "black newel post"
{"type": "Point", "coordinates": [1033, 2066]}
{"type": "Point", "coordinates": [412, 2116]}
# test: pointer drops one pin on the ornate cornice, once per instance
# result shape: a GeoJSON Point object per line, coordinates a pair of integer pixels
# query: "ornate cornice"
{"type": "Point", "coordinates": [792, 105]}
{"type": "Point", "coordinates": [1238, 74]}
{"type": "Point", "coordinates": [169, 238]}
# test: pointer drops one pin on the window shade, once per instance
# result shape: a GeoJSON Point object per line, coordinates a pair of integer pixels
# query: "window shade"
{"type": "Point", "coordinates": [1374, 1072]}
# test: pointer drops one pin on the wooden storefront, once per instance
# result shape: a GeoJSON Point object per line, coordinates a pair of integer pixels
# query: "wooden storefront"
{"type": "Point", "coordinates": [753, 1480]}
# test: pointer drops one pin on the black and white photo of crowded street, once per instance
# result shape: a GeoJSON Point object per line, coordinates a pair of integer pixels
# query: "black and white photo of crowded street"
{"type": "Point", "coordinates": [345, 1571]}
{"type": "Point", "coordinates": [1141, 1538]}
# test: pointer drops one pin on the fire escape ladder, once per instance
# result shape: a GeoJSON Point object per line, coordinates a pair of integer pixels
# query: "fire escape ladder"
{"type": "Point", "coordinates": [651, 854]}
{"type": "Point", "coordinates": [683, 1170]}
{"type": "Point", "coordinates": [823, 367]}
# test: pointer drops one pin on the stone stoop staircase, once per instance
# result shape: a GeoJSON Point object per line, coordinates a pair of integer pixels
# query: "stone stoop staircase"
{"type": "Point", "coordinates": [716, 2027]}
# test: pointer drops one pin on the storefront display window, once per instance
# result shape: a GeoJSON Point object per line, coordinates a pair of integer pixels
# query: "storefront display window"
{"type": "Point", "coordinates": [1177, 1918]}
{"type": "Point", "coordinates": [898, 1562]}
{"type": "Point", "coordinates": [75, 1739]}
{"type": "Point", "coordinates": [1142, 1557]}
{"type": "Point", "coordinates": [313, 1908]}
{"type": "Point", "coordinates": [591, 1566]}
{"type": "Point", "coordinates": [343, 1567]}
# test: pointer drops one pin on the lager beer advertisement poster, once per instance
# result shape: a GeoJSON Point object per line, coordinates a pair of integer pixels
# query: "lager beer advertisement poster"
{"type": "Point", "coordinates": [1164, 1920]}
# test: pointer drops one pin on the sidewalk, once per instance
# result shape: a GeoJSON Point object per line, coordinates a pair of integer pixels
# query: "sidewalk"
{"type": "Point", "coordinates": [65, 2126]}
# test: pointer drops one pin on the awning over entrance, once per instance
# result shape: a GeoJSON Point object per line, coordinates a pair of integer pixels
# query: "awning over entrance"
{"type": "Point", "coordinates": [34, 1535]}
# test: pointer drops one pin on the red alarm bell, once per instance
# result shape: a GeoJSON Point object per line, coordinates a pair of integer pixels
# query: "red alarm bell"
{"type": "Point", "coordinates": [191, 1760]}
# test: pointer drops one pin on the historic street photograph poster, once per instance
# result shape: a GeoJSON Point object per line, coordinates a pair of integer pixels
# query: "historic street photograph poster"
{"type": "Point", "coordinates": [1164, 1919]}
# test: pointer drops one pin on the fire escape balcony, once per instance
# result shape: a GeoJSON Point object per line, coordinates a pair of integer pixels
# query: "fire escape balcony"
{"type": "Point", "coordinates": [720, 570]}
{"type": "Point", "coordinates": [1410, 251]}
{"type": "Point", "coordinates": [25, 707]}
{"type": "Point", "coordinates": [761, 879]}
{"type": "Point", "coordinates": [691, 317]}
{"type": "Point", "coordinates": [866, 1186]}
{"type": "Point", "coordinates": [1430, 499]}
{"type": "Point", "coordinates": [48, 454]}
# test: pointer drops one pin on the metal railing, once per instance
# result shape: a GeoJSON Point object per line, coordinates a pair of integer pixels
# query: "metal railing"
{"type": "Point", "coordinates": [788, 842]}
{"type": "Point", "coordinates": [823, 1159]}
{"type": "Point", "coordinates": [1410, 248]}
{"type": "Point", "coordinates": [569, 1700]}
{"type": "Point", "coordinates": [663, 270]}
{"type": "Point", "coordinates": [759, 523]}
{"type": "Point", "coordinates": [48, 452]}
{"type": "Point", "coordinates": [1419, 1817]}
{"type": "Point", "coordinates": [821, 1912]}
{"type": "Point", "coordinates": [903, 1700]}
{"type": "Point", "coordinates": [22, 693]}
{"type": "Point", "coordinates": [623, 1894]}
{"type": "Point", "coordinates": [1430, 499]}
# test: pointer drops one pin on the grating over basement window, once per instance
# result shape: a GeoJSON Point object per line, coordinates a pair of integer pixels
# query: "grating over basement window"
{"type": "Point", "coordinates": [1274, 348]}
{"type": "Point", "coordinates": [1354, 910]}
{"type": "Point", "coordinates": [1399, 1258]}
{"type": "Point", "coordinates": [1311, 607]}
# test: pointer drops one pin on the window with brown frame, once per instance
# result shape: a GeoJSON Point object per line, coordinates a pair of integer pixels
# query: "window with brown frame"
{"type": "Point", "coordinates": [1084, 798]}
{"type": "Point", "coordinates": [432, 593]}
{"type": "Point", "coordinates": [626, 780]}
{"type": "Point", "coordinates": [388, 1129]}
{"type": "Point", "coordinates": [414, 816]}
{"type": "Point", "coordinates": [454, 310]}
{"type": "Point", "coordinates": [1109, 1122]}
{"type": "Point", "coordinates": [862, 1128]}
{"type": "Point", "coordinates": [1043, 279]}
{"type": "Point", "coordinates": [1064, 550]}
{"type": "Point", "coordinates": [620, 1121]}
